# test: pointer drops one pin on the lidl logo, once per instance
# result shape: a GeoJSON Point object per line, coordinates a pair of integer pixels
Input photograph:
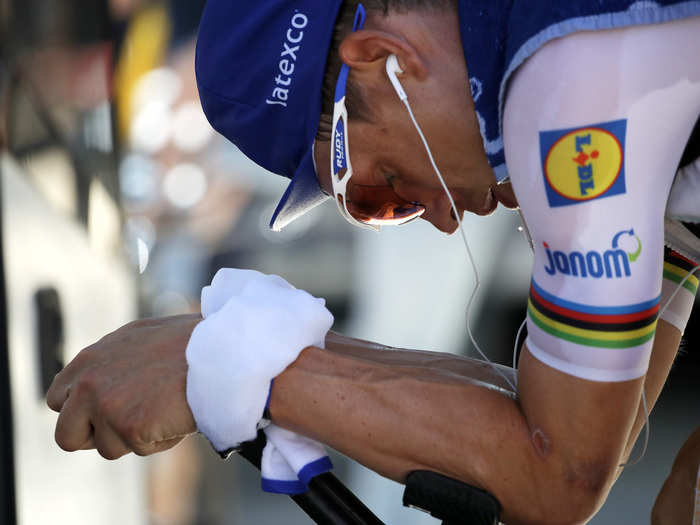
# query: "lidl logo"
{"type": "Point", "coordinates": [612, 263]}
{"type": "Point", "coordinates": [583, 164]}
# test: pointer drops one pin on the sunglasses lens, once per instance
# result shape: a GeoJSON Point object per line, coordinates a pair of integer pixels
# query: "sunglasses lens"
{"type": "Point", "coordinates": [380, 206]}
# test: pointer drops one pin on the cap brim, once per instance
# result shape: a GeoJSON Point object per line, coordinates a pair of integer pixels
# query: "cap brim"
{"type": "Point", "coordinates": [303, 193]}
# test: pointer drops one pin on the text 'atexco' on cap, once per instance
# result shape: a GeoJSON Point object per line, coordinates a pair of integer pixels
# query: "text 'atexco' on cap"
{"type": "Point", "coordinates": [260, 67]}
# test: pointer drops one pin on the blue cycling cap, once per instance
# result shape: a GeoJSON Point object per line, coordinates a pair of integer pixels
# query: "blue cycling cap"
{"type": "Point", "coordinates": [260, 67]}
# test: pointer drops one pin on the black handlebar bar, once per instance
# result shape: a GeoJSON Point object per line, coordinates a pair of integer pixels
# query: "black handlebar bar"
{"type": "Point", "coordinates": [452, 501]}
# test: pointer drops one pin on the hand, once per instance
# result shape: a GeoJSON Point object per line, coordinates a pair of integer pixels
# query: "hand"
{"type": "Point", "coordinates": [127, 392]}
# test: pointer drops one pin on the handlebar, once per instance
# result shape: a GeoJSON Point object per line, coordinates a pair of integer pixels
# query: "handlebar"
{"type": "Point", "coordinates": [329, 502]}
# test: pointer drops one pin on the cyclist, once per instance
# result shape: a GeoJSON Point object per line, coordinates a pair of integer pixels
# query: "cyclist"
{"type": "Point", "coordinates": [588, 105]}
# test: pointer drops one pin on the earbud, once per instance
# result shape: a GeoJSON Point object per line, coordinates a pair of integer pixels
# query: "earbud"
{"type": "Point", "coordinates": [392, 68]}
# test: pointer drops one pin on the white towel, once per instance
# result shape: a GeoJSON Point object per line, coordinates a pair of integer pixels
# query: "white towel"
{"type": "Point", "coordinates": [290, 461]}
{"type": "Point", "coordinates": [254, 327]}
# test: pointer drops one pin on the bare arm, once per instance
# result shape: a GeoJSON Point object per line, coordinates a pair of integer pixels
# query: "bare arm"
{"type": "Point", "coordinates": [666, 344]}
{"type": "Point", "coordinates": [476, 371]}
{"type": "Point", "coordinates": [675, 501]}
{"type": "Point", "coordinates": [393, 411]}
{"type": "Point", "coordinates": [549, 457]}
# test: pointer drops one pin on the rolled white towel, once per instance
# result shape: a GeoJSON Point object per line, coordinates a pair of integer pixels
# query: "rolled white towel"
{"type": "Point", "coordinates": [254, 327]}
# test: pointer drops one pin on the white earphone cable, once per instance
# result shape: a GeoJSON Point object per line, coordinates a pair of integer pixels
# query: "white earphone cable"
{"type": "Point", "coordinates": [466, 244]}
{"type": "Point", "coordinates": [515, 344]}
{"type": "Point", "coordinates": [644, 397]}
{"type": "Point", "coordinates": [646, 433]}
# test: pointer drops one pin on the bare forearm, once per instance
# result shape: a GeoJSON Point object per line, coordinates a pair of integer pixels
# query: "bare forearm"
{"type": "Point", "coordinates": [398, 419]}
{"type": "Point", "coordinates": [443, 367]}
{"type": "Point", "coordinates": [398, 413]}
{"type": "Point", "coordinates": [481, 373]}
{"type": "Point", "coordinates": [489, 375]}
{"type": "Point", "coordinates": [666, 342]}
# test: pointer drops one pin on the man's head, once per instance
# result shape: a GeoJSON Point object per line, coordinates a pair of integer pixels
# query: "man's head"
{"type": "Point", "coordinates": [275, 119]}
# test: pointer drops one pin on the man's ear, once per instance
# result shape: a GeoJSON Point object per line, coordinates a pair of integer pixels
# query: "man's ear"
{"type": "Point", "coordinates": [368, 48]}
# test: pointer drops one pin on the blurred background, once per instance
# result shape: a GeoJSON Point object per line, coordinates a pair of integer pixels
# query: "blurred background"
{"type": "Point", "coordinates": [119, 202]}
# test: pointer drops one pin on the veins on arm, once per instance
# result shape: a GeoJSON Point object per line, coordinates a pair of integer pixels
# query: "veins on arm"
{"type": "Point", "coordinates": [550, 454]}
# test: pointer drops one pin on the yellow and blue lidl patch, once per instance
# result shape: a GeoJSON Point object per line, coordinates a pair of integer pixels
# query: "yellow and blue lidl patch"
{"type": "Point", "coordinates": [584, 164]}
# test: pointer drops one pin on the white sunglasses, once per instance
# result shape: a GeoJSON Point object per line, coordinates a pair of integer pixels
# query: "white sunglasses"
{"type": "Point", "coordinates": [370, 206]}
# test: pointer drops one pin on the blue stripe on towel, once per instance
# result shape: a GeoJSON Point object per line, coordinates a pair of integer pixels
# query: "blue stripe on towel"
{"type": "Point", "coordinates": [283, 487]}
{"type": "Point", "coordinates": [313, 469]}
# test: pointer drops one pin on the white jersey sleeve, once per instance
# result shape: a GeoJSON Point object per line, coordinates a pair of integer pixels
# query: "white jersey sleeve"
{"type": "Point", "coordinates": [592, 158]}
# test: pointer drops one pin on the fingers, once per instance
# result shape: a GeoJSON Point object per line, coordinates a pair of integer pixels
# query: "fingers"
{"type": "Point", "coordinates": [126, 392]}
{"type": "Point", "coordinates": [112, 446]}
{"type": "Point", "coordinates": [57, 394]}
{"type": "Point", "coordinates": [60, 386]}
{"type": "Point", "coordinates": [76, 431]}
{"type": "Point", "coordinates": [154, 448]}
{"type": "Point", "coordinates": [80, 428]}
{"type": "Point", "coordinates": [89, 444]}
{"type": "Point", "coordinates": [73, 428]}
{"type": "Point", "coordinates": [109, 444]}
